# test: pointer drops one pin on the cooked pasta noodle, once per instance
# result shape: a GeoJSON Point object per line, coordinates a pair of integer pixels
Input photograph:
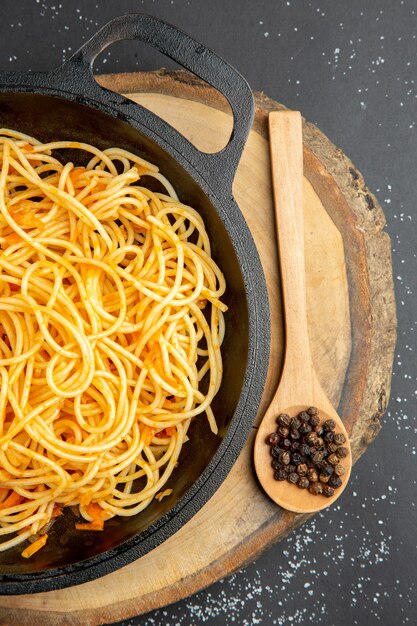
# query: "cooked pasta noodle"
{"type": "Point", "coordinates": [110, 317]}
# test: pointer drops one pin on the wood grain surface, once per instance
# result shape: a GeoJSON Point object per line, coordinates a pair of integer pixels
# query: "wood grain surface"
{"type": "Point", "coordinates": [351, 323]}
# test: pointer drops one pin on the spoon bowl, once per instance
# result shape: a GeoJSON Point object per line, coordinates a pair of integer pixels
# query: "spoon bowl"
{"type": "Point", "coordinates": [287, 495]}
{"type": "Point", "coordinates": [299, 387]}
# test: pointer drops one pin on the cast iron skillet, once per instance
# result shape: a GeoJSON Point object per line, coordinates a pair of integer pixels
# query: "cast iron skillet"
{"type": "Point", "coordinates": [67, 103]}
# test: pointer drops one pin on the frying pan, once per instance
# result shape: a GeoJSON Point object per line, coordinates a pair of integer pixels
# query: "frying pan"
{"type": "Point", "coordinates": [67, 103]}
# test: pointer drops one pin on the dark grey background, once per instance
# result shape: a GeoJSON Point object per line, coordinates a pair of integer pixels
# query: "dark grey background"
{"type": "Point", "coordinates": [350, 66]}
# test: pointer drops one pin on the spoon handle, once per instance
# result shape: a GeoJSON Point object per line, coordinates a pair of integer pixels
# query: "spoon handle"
{"type": "Point", "coordinates": [299, 387]}
{"type": "Point", "coordinates": [286, 147]}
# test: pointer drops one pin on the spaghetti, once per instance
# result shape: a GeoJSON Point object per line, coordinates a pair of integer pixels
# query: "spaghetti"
{"type": "Point", "coordinates": [110, 317]}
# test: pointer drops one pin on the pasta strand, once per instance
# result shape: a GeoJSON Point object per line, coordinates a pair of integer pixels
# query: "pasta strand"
{"type": "Point", "coordinates": [111, 320]}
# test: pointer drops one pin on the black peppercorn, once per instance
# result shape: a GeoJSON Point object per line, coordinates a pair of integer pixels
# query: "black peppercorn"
{"type": "Point", "coordinates": [311, 438]}
{"type": "Point", "coordinates": [329, 424]}
{"type": "Point", "coordinates": [339, 438]}
{"type": "Point", "coordinates": [283, 419]}
{"type": "Point", "coordinates": [276, 464]}
{"type": "Point", "coordinates": [328, 436]}
{"type": "Point", "coordinates": [295, 445]}
{"type": "Point", "coordinates": [297, 458]}
{"type": "Point", "coordinates": [316, 489]}
{"type": "Point", "coordinates": [323, 478]}
{"type": "Point", "coordinates": [319, 443]}
{"type": "Point", "coordinates": [312, 475]}
{"type": "Point", "coordinates": [285, 457]}
{"type": "Point", "coordinates": [280, 474]}
{"type": "Point", "coordinates": [312, 410]}
{"type": "Point", "coordinates": [290, 468]}
{"type": "Point", "coordinates": [272, 439]}
{"type": "Point", "coordinates": [294, 434]}
{"type": "Point", "coordinates": [276, 451]}
{"type": "Point", "coordinates": [295, 423]}
{"type": "Point", "coordinates": [342, 452]}
{"type": "Point", "coordinates": [339, 470]}
{"type": "Point", "coordinates": [335, 481]}
{"type": "Point", "coordinates": [317, 456]}
{"type": "Point", "coordinates": [327, 469]}
{"type": "Point", "coordinates": [302, 469]}
{"type": "Point", "coordinates": [305, 428]}
{"type": "Point", "coordinates": [328, 491]}
{"type": "Point", "coordinates": [331, 447]}
{"type": "Point", "coordinates": [318, 429]}
{"type": "Point", "coordinates": [304, 416]}
{"type": "Point", "coordinates": [303, 482]}
{"type": "Point", "coordinates": [293, 478]}
{"type": "Point", "coordinates": [304, 449]}
{"type": "Point", "coordinates": [285, 443]}
{"type": "Point", "coordinates": [284, 431]}
{"type": "Point", "coordinates": [315, 421]}
{"type": "Point", "coordinates": [333, 459]}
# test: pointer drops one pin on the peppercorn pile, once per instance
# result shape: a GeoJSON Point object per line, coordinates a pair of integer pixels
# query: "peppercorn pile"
{"type": "Point", "coordinates": [307, 452]}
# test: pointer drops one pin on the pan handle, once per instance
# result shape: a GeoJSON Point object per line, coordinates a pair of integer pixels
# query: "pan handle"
{"type": "Point", "coordinates": [192, 55]}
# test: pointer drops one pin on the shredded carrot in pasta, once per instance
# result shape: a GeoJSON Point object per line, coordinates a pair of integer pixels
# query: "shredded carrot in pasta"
{"type": "Point", "coordinates": [56, 511]}
{"type": "Point", "coordinates": [12, 500]}
{"type": "Point", "coordinates": [95, 511]}
{"type": "Point", "coordinates": [103, 341]}
{"type": "Point", "coordinates": [35, 546]}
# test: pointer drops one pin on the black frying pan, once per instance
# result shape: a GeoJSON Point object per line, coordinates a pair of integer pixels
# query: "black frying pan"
{"type": "Point", "coordinates": [69, 104]}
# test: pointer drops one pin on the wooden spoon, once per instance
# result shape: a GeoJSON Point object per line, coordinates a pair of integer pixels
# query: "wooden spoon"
{"type": "Point", "coordinates": [299, 387]}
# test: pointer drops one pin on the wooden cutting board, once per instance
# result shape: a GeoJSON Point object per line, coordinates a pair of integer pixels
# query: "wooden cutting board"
{"type": "Point", "coordinates": [351, 316]}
